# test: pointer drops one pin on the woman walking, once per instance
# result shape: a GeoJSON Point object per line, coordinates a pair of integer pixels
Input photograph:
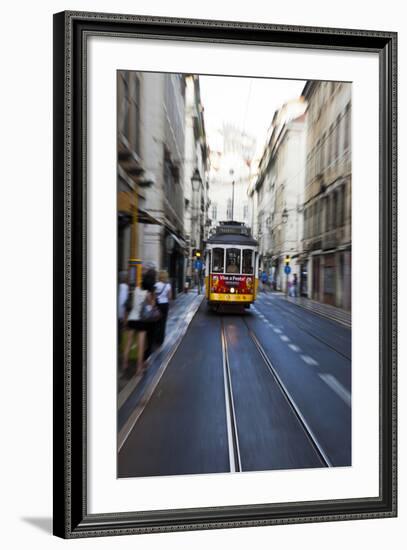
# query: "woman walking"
{"type": "Point", "coordinates": [143, 297]}
{"type": "Point", "coordinates": [163, 294]}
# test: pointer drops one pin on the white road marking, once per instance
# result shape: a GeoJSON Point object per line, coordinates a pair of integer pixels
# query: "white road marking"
{"type": "Point", "coordinates": [309, 360]}
{"type": "Point", "coordinates": [294, 347]}
{"type": "Point", "coordinates": [284, 338]}
{"type": "Point", "coordinates": [337, 387]}
{"type": "Point", "coordinates": [277, 330]}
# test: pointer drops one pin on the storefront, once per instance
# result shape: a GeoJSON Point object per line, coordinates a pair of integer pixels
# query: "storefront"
{"type": "Point", "coordinates": [174, 260]}
{"type": "Point", "coordinates": [329, 283]}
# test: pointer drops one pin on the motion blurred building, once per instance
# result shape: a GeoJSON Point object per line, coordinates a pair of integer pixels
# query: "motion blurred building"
{"type": "Point", "coordinates": [279, 193]}
{"type": "Point", "coordinates": [230, 175]}
{"type": "Point", "coordinates": [195, 172]}
{"type": "Point", "coordinates": [152, 170]}
{"type": "Point", "coordinates": [327, 198]}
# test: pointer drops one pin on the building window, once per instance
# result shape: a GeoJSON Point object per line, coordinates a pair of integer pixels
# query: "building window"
{"type": "Point", "coordinates": [260, 222]}
{"type": "Point", "coordinates": [347, 127]}
{"type": "Point", "coordinates": [326, 213]}
{"type": "Point", "coordinates": [342, 196]}
{"type": "Point", "coordinates": [306, 223]}
{"type": "Point", "coordinates": [245, 211]}
{"type": "Point", "coordinates": [315, 220]}
{"type": "Point", "coordinates": [136, 99]}
{"type": "Point", "coordinates": [229, 209]}
{"type": "Point", "coordinates": [214, 212]}
{"type": "Point", "coordinates": [331, 144]}
{"type": "Point", "coordinates": [322, 163]}
{"type": "Point", "coordinates": [311, 220]}
{"type": "Point", "coordinates": [125, 105]}
{"type": "Point", "coordinates": [334, 209]}
{"type": "Point", "coordinates": [319, 219]}
{"type": "Point", "coordinates": [309, 176]}
{"type": "Point", "coordinates": [337, 138]}
{"type": "Point", "coordinates": [318, 157]}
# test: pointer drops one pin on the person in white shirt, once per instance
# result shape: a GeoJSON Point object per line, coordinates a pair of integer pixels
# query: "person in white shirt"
{"type": "Point", "coordinates": [123, 296]}
{"type": "Point", "coordinates": [163, 295]}
{"type": "Point", "coordinates": [142, 296]}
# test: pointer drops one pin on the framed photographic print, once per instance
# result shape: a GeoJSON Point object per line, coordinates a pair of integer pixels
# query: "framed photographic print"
{"type": "Point", "coordinates": [224, 274]}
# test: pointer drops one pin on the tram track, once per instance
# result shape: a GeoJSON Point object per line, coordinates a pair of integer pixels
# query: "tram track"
{"type": "Point", "coordinates": [246, 418]}
{"type": "Point", "coordinates": [304, 424]}
{"type": "Point", "coordinates": [299, 322]}
{"type": "Point", "coordinates": [235, 453]}
{"type": "Point", "coordinates": [231, 424]}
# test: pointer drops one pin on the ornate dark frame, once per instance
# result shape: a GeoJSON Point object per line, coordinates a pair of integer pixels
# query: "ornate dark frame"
{"type": "Point", "coordinates": [71, 30]}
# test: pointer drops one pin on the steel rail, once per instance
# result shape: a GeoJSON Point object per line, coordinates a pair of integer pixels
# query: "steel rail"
{"type": "Point", "coordinates": [233, 437]}
{"type": "Point", "coordinates": [304, 424]}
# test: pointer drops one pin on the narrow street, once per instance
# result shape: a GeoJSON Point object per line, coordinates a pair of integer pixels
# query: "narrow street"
{"type": "Point", "coordinates": [267, 389]}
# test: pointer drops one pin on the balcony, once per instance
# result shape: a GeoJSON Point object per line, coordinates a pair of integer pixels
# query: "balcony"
{"type": "Point", "coordinates": [128, 159]}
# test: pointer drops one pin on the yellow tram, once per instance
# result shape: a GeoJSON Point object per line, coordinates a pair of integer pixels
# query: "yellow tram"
{"type": "Point", "coordinates": [231, 266]}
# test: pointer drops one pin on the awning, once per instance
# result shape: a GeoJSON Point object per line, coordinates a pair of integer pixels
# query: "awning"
{"type": "Point", "coordinates": [181, 243]}
{"type": "Point", "coordinates": [145, 217]}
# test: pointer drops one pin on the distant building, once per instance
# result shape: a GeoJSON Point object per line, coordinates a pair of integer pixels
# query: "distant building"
{"type": "Point", "coordinates": [327, 198]}
{"type": "Point", "coordinates": [229, 176]}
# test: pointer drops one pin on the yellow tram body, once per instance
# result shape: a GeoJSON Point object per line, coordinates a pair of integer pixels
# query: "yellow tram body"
{"type": "Point", "coordinates": [231, 260]}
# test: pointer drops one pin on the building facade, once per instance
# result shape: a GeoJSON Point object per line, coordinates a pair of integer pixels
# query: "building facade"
{"type": "Point", "coordinates": [327, 249]}
{"type": "Point", "coordinates": [152, 118]}
{"type": "Point", "coordinates": [229, 176]}
{"type": "Point", "coordinates": [195, 173]}
{"type": "Point", "coordinates": [279, 191]}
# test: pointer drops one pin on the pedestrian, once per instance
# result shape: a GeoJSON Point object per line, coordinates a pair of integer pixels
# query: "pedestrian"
{"type": "Point", "coordinates": [163, 294]}
{"type": "Point", "coordinates": [198, 264]}
{"type": "Point", "coordinates": [295, 285]}
{"type": "Point", "coordinates": [271, 282]}
{"type": "Point", "coordinates": [264, 279]}
{"type": "Point", "coordinates": [122, 298]}
{"type": "Point", "coordinates": [149, 279]}
{"type": "Point", "coordinates": [232, 267]}
{"type": "Point", "coordinates": [139, 321]}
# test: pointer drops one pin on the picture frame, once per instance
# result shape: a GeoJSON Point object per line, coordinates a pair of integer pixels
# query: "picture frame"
{"type": "Point", "coordinates": [71, 33]}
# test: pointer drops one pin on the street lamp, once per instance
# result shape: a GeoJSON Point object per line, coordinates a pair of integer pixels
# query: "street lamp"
{"type": "Point", "coordinates": [196, 180]}
{"type": "Point", "coordinates": [231, 172]}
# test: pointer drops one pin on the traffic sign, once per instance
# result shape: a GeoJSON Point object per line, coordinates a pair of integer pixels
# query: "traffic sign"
{"type": "Point", "coordinates": [287, 269]}
{"type": "Point", "coordinates": [198, 264]}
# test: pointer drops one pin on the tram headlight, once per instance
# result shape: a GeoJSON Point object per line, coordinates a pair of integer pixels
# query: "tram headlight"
{"type": "Point", "coordinates": [232, 290]}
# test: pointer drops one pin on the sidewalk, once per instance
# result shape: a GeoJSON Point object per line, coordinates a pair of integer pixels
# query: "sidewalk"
{"type": "Point", "coordinates": [181, 313]}
{"type": "Point", "coordinates": [324, 310]}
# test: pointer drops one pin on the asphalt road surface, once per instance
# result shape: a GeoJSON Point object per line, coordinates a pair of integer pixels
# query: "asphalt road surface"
{"type": "Point", "coordinates": [261, 390]}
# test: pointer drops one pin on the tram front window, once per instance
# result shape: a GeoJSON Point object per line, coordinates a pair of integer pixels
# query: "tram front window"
{"type": "Point", "coordinates": [232, 260]}
{"type": "Point", "coordinates": [218, 260]}
{"type": "Point", "coordinates": [247, 263]}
